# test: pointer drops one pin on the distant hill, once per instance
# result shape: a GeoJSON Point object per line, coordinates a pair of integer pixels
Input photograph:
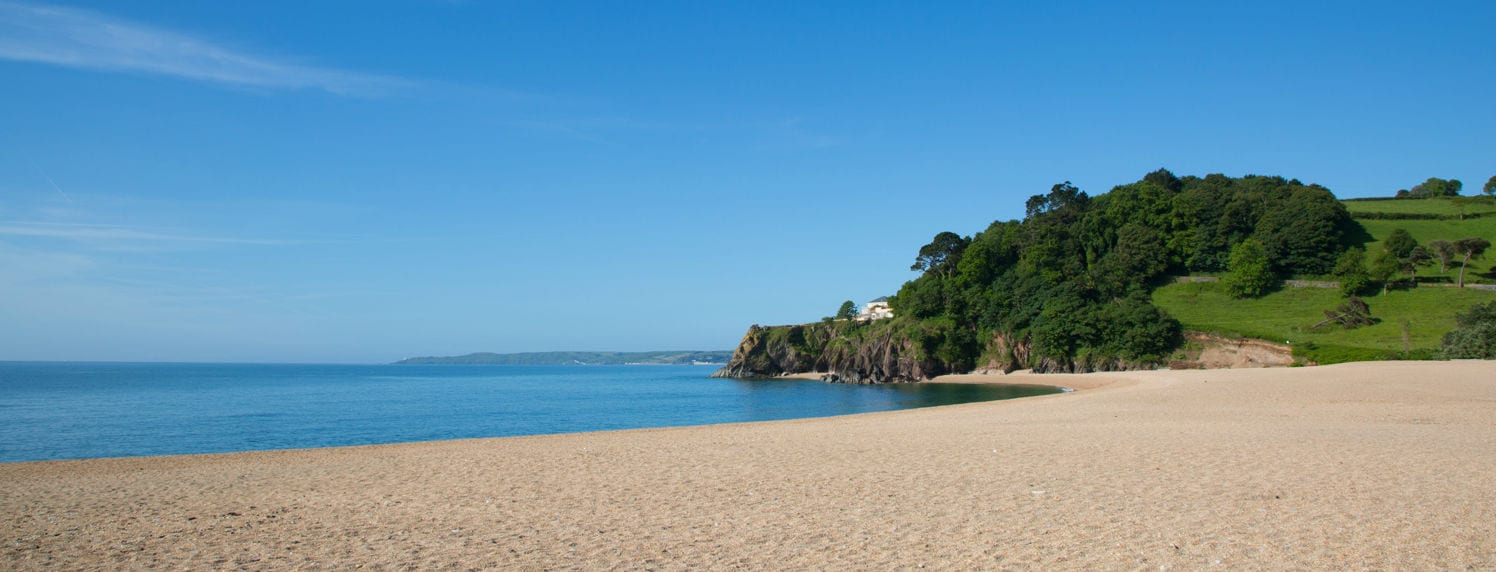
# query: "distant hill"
{"type": "Point", "coordinates": [577, 358]}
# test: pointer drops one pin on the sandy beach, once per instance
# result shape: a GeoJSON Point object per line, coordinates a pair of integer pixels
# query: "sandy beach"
{"type": "Point", "coordinates": [1355, 466]}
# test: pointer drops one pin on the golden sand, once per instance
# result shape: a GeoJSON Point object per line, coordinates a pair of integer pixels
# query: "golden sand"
{"type": "Point", "coordinates": [1369, 465]}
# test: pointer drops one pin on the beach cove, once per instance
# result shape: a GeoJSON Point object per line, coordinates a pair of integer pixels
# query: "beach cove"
{"type": "Point", "coordinates": [64, 410]}
{"type": "Point", "coordinates": [1362, 465]}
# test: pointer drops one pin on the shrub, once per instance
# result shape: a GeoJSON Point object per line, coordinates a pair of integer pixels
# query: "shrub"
{"type": "Point", "coordinates": [1474, 336]}
{"type": "Point", "coordinates": [1248, 273]}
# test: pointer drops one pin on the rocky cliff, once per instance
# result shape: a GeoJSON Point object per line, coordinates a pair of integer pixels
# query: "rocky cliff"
{"type": "Point", "coordinates": [847, 353]}
{"type": "Point", "coordinates": [888, 352]}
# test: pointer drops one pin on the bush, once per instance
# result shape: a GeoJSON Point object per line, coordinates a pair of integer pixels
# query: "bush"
{"type": "Point", "coordinates": [1248, 273]}
{"type": "Point", "coordinates": [1351, 270]}
{"type": "Point", "coordinates": [1474, 337]}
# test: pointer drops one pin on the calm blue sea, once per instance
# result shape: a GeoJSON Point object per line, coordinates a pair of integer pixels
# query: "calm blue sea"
{"type": "Point", "coordinates": [82, 410]}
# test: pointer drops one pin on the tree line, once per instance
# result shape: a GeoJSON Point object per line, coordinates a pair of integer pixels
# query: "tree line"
{"type": "Point", "coordinates": [1436, 187]}
{"type": "Point", "coordinates": [1401, 253]}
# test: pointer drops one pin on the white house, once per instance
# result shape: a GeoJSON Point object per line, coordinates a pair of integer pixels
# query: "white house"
{"type": "Point", "coordinates": [875, 310]}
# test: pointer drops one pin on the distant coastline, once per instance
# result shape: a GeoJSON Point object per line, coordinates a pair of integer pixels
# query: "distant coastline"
{"type": "Point", "coordinates": [577, 358]}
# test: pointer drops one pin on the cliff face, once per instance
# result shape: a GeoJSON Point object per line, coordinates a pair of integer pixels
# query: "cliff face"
{"type": "Point", "coordinates": [874, 357]}
{"type": "Point", "coordinates": [761, 354]}
{"type": "Point", "coordinates": [878, 353]}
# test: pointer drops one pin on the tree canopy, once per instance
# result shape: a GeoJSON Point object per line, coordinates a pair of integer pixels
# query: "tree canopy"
{"type": "Point", "coordinates": [1399, 243]}
{"type": "Point", "coordinates": [1433, 187]}
{"type": "Point", "coordinates": [847, 311]}
{"type": "Point", "coordinates": [1351, 270]}
{"type": "Point", "coordinates": [1443, 251]}
{"type": "Point", "coordinates": [1469, 248]}
{"type": "Point", "coordinates": [1248, 274]}
{"type": "Point", "coordinates": [942, 254]}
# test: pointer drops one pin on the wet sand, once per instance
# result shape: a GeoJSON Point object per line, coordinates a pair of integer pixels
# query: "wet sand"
{"type": "Point", "coordinates": [1369, 465]}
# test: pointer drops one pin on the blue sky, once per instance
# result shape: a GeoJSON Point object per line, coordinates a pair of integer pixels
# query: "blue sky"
{"type": "Point", "coordinates": [366, 181]}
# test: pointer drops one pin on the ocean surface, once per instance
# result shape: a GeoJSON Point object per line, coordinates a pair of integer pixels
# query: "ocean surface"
{"type": "Point", "coordinates": [84, 410]}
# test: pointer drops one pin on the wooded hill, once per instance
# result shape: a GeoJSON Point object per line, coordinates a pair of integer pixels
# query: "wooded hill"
{"type": "Point", "coordinates": [1070, 283]}
{"type": "Point", "coordinates": [1070, 287]}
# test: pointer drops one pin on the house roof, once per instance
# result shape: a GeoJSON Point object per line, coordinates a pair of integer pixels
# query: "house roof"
{"type": "Point", "coordinates": [879, 299]}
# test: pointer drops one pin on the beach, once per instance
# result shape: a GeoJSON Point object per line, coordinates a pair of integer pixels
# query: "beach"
{"type": "Point", "coordinates": [1386, 465]}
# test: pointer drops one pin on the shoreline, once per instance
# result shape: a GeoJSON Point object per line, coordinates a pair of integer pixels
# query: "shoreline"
{"type": "Point", "coordinates": [678, 423]}
{"type": "Point", "coordinates": [1082, 384]}
{"type": "Point", "coordinates": [1077, 381]}
{"type": "Point", "coordinates": [1366, 465]}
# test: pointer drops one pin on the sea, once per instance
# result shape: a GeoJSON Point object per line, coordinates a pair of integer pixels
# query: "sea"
{"type": "Point", "coordinates": [69, 410]}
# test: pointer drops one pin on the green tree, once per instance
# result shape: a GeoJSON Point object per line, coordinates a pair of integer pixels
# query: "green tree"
{"type": "Point", "coordinates": [1134, 329]}
{"type": "Point", "coordinates": [1065, 325]}
{"type": "Point", "coordinates": [1138, 257]}
{"type": "Point", "coordinates": [1061, 197]}
{"type": "Point", "coordinates": [1444, 252]}
{"type": "Point", "coordinates": [1490, 188]}
{"type": "Point", "coordinates": [990, 253]}
{"type": "Point", "coordinates": [923, 297]}
{"type": "Point", "coordinates": [1303, 232]}
{"type": "Point", "coordinates": [1351, 270]}
{"type": "Point", "coordinates": [1435, 187]}
{"type": "Point", "coordinates": [1054, 236]}
{"type": "Point", "coordinates": [1163, 178]}
{"type": "Point", "coordinates": [1474, 335]}
{"type": "Point", "coordinates": [1399, 243]}
{"type": "Point", "coordinates": [941, 255]}
{"type": "Point", "coordinates": [1248, 273]}
{"type": "Point", "coordinates": [847, 311]}
{"type": "Point", "coordinates": [1417, 257]}
{"type": "Point", "coordinates": [1469, 248]}
{"type": "Point", "coordinates": [1384, 268]}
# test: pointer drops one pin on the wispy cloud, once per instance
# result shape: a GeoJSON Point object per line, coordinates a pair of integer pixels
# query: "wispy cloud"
{"type": "Point", "coordinates": [116, 233]}
{"type": "Point", "coordinates": [84, 39]}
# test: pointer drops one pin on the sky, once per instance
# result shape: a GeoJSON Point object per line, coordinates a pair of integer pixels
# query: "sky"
{"type": "Point", "coordinates": [359, 182]}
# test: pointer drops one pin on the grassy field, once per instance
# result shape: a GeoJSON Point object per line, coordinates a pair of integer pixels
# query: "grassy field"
{"type": "Point", "coordinates": [1439, 206]}
{"type": "Point", "coordinates": [1480, 271]}
{"type": "Point", "coordinates": [1426, 312]}
{"type": "Point", "coordinates": [1286, 316]}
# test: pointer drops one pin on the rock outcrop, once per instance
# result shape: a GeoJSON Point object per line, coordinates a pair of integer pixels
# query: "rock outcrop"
{"type": "Point", "coordinates": [768, 351]}
{"type": "Point", "coordinates": [878, 356]}
{"type": "Point", "coordinates": [881, 358]}
{"type": "Point", "coordinates": [868, 354]}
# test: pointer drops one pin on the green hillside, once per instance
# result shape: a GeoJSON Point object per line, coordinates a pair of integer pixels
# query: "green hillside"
{"type": "Point", "coordinates": [1286, 316]}
{"type": "Point", "coordinates": [1441, 206]}
{"type": "Point", "coordinates": [1479, 221]}
{"type": "Point", "coordinates": [1428, 311]}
